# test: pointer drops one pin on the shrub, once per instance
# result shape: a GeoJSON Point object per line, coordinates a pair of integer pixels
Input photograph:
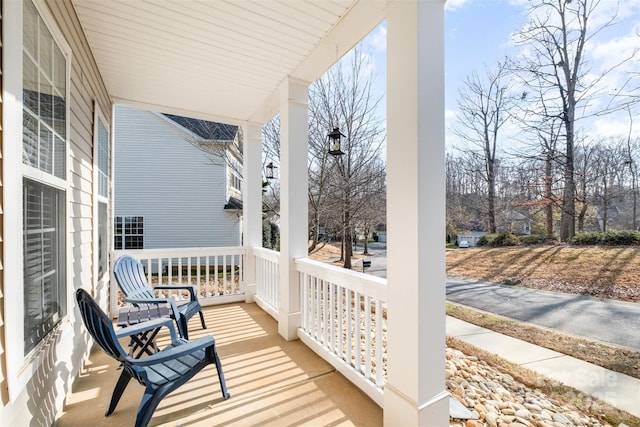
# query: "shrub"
{"type": "Point", "coordinates": [586, 238]}
{"type": "Point", "coordinates": [497, 240]}
{"type": "Point", "coordinates": [621, 238]}
{"type": "Point", "coordinates": [483, 241]}
{"type": "Point", "coordinates": [610, 238]}
{"type": "Point", "coordinates": [505, 239]}
{"type": "Point", "coordinates": [534, 239]}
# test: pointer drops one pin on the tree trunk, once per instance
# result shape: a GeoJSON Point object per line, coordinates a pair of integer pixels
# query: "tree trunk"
{"type": "Point", "coordinates": [348, 247]}
{"type": "Point", "coordinates": [548, 193]}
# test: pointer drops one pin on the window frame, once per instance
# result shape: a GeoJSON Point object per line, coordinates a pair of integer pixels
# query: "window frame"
{"type": "Point", "coordinates": [20, 367]}
{"type": "Point", "coordinates": [100, 117]}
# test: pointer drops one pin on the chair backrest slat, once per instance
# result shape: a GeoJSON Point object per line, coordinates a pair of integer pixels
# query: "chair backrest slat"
{"type": "Point", "coordinates": [130, 276]}
{"type": "Point", "coordinates": [99, 326]}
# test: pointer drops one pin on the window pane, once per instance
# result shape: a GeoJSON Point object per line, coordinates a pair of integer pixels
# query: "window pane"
{"type": "Point", "coordinates": [30, 23]}
{"type": "Point", "coordinates": [46, 150]}
{"type": "Point", "coordinates": [45, 51]}
{"type": "Point", "coordinates": [60, 158]}
{"type": "Point", "coordinates": [103, 160]}
{"type": "Point", "coordinates": [30, 139]}
{"type": "Point", "coordinates": [44, 272]}
{"type": "Point", "coordinates": [30, 84]}
{"type": "Point", "coordinates": [43, 65]}
{"type": "Point", "coordinates": [103, 249]}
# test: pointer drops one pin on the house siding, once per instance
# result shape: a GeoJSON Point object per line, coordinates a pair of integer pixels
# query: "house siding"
{"type": "Point", "coordinates": [59, 360]}
{"type": "Point", "coordinates": [182, 208]}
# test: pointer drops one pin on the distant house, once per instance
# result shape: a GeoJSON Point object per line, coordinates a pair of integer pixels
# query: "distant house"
{"type": "Point", "coordinates": [177, 182]}
{"type": "Point", "coordinates": [515, 222]}
{"type": "Point", "coordinates": [471, 236]}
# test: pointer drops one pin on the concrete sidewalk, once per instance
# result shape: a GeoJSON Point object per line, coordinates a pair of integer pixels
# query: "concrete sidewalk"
{"type": "Point", "coordinates": [619, 390]}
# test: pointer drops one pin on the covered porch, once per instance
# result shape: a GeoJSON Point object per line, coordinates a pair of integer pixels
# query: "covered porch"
{"type": "Point", "coordinates": [273, 382]}
{"type": "Point", "coordinates": [241, 63]}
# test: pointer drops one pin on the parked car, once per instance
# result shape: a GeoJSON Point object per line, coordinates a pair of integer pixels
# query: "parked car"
{"type": "Point", "coordinates": [463, 244]}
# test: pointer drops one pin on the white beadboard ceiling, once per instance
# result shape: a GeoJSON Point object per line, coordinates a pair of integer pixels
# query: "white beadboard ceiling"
{"type": "Point", "coordinates": [220, 60]}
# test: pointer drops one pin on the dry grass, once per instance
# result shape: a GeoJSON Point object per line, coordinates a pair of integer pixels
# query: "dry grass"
{"type": "Point", "coordinates": [605, 272]}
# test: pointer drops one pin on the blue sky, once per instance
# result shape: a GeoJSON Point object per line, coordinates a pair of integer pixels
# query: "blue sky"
{"type": "Point", "coordinates": [477, 33]}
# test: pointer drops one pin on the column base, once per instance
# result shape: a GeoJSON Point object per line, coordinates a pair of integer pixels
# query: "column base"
{"type": "Point", "coordinates": [288, 324]}
{"type": "Point", "coordinates": [400, 410]}
{"type": "Point", "coordinates": [249, 292]}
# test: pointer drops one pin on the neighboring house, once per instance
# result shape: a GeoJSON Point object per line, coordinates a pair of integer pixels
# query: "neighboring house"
{"type": "Point", "coordinates": [178, 182]}
{"type": "Point", "coordinates": [471, 236]}
{"type": "Point", "coordinates": [515, 222]}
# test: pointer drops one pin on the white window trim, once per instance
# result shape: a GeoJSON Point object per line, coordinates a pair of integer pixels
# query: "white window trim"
{"type": "Point", "coordinates": [20, 368]}
{"type": "Point", "coordinates": [99, 116]}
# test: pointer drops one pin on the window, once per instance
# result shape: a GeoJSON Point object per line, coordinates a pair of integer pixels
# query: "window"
{"type": "Point", "coordinates": [128, 232]}
{"type": "Point", "coordinates": [236, 178]}
{"type": "Point", "coordinates": [101, 153]}
{"type": "Point", "coordinates": [44, 152]}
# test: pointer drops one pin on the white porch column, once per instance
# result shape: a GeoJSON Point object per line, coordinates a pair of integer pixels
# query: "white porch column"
{"type": "Point", "coordinates": [251, 201]}
{"type": "Point", "coordinates": [415, 393]}
{"type": "Point", "coordinates": [294, 234]}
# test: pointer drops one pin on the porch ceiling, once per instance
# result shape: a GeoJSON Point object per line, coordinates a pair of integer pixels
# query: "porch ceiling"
{"type": "Point", "coordinates": [215, 59]}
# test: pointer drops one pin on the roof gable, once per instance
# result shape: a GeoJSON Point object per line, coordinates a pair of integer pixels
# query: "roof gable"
{"type": "Point", "coordinates": [211, 131]}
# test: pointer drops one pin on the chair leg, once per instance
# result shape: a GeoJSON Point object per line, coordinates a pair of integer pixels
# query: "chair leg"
{"type": "Point", "coordinates": [223, 384]}
{"type": "Point", "coordinates": [202, 320]}
{"type": "Point", "coordinates": [148, 405]}
{"type": "Point", "coordinates": [183, 327]}
{"type": "Point", "coordinates": [121, 385]}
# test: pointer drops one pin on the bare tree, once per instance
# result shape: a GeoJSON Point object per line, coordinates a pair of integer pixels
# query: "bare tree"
{"type": "Point", "coordinates": [556, 37]}
{"type": "Point", "coordinates": [343, 98]}
{"type": "Point", "coordinates": [484, 104]}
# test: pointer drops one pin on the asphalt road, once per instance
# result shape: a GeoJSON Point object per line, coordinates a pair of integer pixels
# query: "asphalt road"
{"type": "Point", "coordinates": [608, 321]}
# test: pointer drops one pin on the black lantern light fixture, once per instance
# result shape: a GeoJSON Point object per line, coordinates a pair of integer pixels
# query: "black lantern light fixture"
{"type": "Point", "coordinates": [334, 138]}
{"type": "Point", "coordinates": [270, 168]}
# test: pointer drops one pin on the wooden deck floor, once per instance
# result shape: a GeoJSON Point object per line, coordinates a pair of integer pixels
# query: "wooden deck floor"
{"type": "Point", "coordinates": [272, 383]}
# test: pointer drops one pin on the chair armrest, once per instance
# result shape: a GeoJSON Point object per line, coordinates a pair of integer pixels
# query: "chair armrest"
{"type": "Point", "coordinates": [190, 288]}
{"type": "Point", "coordinates": [182, 348]}
{"type": "Point", "coordinates": [156, 301]}
{"type": "Point", "coordinates": [147, 326]}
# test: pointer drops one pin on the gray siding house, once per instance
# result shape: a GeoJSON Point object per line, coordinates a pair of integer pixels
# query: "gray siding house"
{"type": "Point", "coordinates": [175, 182]}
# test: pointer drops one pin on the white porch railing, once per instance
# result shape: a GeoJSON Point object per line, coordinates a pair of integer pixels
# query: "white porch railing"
{"type": "Point", "coordinates": [267, 280]}
{"type": "Point", "coordinates": [344, 319]}
{"type": "Point", "coordinates": [343, 312]}
{"type": "Point", "coordinates": [217, 273]}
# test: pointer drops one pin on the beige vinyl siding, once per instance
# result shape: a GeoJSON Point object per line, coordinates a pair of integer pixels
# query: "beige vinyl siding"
{"type": "Point", "coordinates": [86, 87]}
{"type": "Point", "coordinates": [42, 399]}
{"type": "Point", "coordinates": [176, 187]}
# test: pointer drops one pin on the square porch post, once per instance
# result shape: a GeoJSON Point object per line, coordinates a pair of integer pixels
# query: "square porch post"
{"type": "Point", "coordinates": [415, 393]}
{"type": "Point", "coordinates": [251, 201]}
{"type": "Point", "coordinates": [294, 233]}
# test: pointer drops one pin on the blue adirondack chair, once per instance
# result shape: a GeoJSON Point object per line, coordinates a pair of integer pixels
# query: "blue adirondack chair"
{"type": "Point", "coordinates": [131, 279]}
{"type": "Point", "coordinates": [160, 373]}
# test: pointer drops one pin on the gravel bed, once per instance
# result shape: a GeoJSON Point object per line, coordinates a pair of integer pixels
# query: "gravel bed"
{"type": "Point", "coordinates": [499, 401]}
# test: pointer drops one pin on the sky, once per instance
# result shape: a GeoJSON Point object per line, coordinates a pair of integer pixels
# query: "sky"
{"type": "Point", "coordinates": [478, 34]}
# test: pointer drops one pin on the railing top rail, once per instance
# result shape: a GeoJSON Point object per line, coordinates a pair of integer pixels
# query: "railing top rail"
{"type": "Point", "coordinates": [268, 254]}
{"type": "Point", "coordinates": [178, 252]}
{"type": "Point", "coordinates": [365, 284]}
